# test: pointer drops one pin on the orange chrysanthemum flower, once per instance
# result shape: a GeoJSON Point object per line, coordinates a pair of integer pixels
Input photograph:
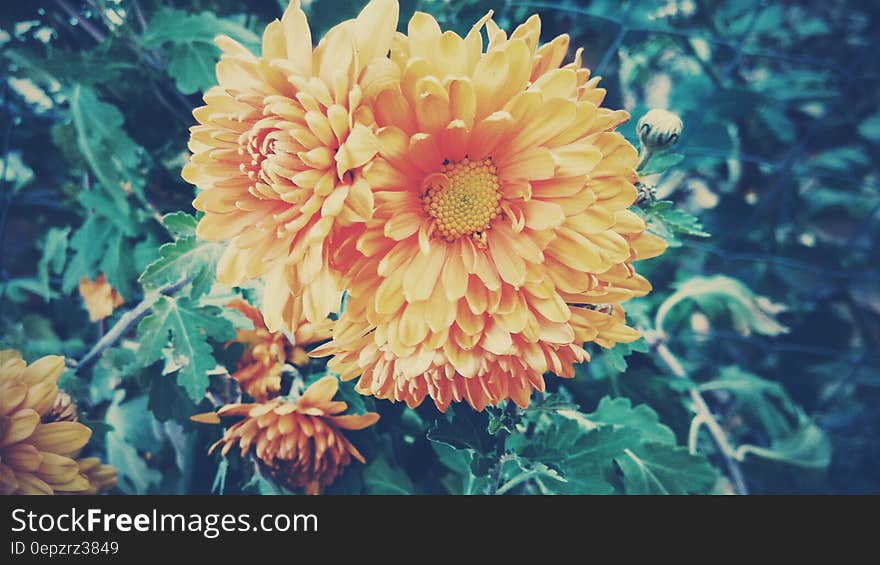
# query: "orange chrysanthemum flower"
{"type": "Point", "coordinates": [279, 154]}
{"type": "Point", "coordinates": [260, 366]}
{"type": "Point", "coordinates": [99, 297]}
{"type": "Point", "coordinates": [299, 443]}
{"type": "Point", "coordinates": [501, 240]}
{"type": "Point", "coordinates": [38, 454]}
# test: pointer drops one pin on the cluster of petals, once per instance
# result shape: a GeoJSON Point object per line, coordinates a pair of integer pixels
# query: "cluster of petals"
{"type": "Point", "coordinates": [259, 369]}
{"type": "Point", "coordinates": [39, 450]}
{"type": "Point", "coordinates": [299, 443]}
{"type": "Point", "coordinates": [475, 207]}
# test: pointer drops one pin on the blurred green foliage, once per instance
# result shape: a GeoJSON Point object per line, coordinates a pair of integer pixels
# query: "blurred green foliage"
{"type": "Point", "coordinates": [773, 320]}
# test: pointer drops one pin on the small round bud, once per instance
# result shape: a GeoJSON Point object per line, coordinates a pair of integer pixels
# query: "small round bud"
{"type": "Point", "coordinates": [659, 130]}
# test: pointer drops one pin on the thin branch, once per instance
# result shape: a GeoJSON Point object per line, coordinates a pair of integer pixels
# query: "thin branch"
{"type": "Point", "coordinates": [127, 322]}
{"type": "Point", "coordinates": [703, 417]}
{"type": "Point", "coordinates": [96, 34]}
{"type": "Point", "coordinates": [139, 14]}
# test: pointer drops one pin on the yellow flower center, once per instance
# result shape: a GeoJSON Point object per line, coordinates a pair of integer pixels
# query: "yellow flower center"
{"type": "Point", "coordinates": [463, 198]}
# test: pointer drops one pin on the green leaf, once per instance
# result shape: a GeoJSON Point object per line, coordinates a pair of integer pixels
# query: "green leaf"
{"type": "Point", "coordinates": [669, 221]}
{"type": "Point", "coordinates": [570, 445]}
{"type": "Point", "coordinates": [461, 479]}
{"type": "Point", "coordinates": [607, 362]}
{"type": "Point", "coordinates": [116, 265]}
{"type": "Point", "coordinates": [135, 476]}
{"type": "Point", "coordinates": [619, 411]}
{"type": "Point", "coordinates": [88, 251]}
{"type": "Point", "coordinates": [763, 402]}
{"type": "Point", "coordinates": [53, 259]}
{"type": "Point", "coordinates": [655, 468]}
{"type": "Point", "coordinates": [187, 257]}
{"type": "Point", "coordinates": [517, 470]}
{"type": "Point", "coordinates": [461, 429]}
{"type": "Point", "coordinates": [381, 478]}
{"type": "Point", "coordinates": [115, 365]}
{"type": "Point", "coordinates": [109, 205]}
{"type": "Point", "coordinates": [765, 405]}
{"type": "Point", "coordinates": [582, 456]}
{"type": "Point", "coordinates": [168, 401]}
{"type": "Point", "coordinates": [192, 55]}
{"type": "Point", "coordinates": [112, 155]}
{"type": "Point", "coordinates": [133, 432]}
{"type": "Point", "coordinates": [548, 403]}
{"type": "Point", "coordinates": [191, 65]}
{"type": "Point", "coordinates": [718, 294]}
{"type": "Point", "coordinates": [660, 162]}
{"type": "Point", "coordinates": [187, 327]}
{"type": "Point", "coordinates": [180, 224]}
{"type": "Point", "coordinates": [808, 446]}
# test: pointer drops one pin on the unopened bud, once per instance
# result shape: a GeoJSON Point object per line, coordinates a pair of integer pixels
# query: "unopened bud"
{"type": "Point", "coordinates": [659, 130]}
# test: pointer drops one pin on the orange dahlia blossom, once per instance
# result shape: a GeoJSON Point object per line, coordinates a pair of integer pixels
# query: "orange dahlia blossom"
{"type": "Point", "coordinates": [99, 297]}
{"type": "Point", "coordinates": [260, 366]}
{"type": "Point", "coordinates": [36, 456]}
{"type": "Point", "coordinates": [501, 240]}
{"type": "Point", "coordinates": [279, 155]}
{"type": "Point", "coordinates": [300, 442]}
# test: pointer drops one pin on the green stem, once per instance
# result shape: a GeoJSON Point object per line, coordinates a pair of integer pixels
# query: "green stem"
{"type": "Point", "coordinates": [511, 413]}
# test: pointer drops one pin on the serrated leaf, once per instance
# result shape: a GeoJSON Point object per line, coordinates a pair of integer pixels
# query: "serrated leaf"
{"type": "Point", "coordinates": [180, 224]}
{"type": "Point", "coordinates": [192, 55]}
{"type": "Point", "coordinates": [187, 257]}
{"type": "Point", "coordinates": [665, 217]}
{"type": "Point", "coordinates": [619, 411]}
{"type": "Point", "coordinates": [187, 328]}
{"type": "Point", "coordinates": [586, 450]}
{"type": "Point", "coordinates": [610, 361]}
{"type": "Point", "coordinates": [655, 468]}
{"type": "Point", "coordinates": [581, 455]}
{"type": "Point", "coordinates": [549, 403]}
